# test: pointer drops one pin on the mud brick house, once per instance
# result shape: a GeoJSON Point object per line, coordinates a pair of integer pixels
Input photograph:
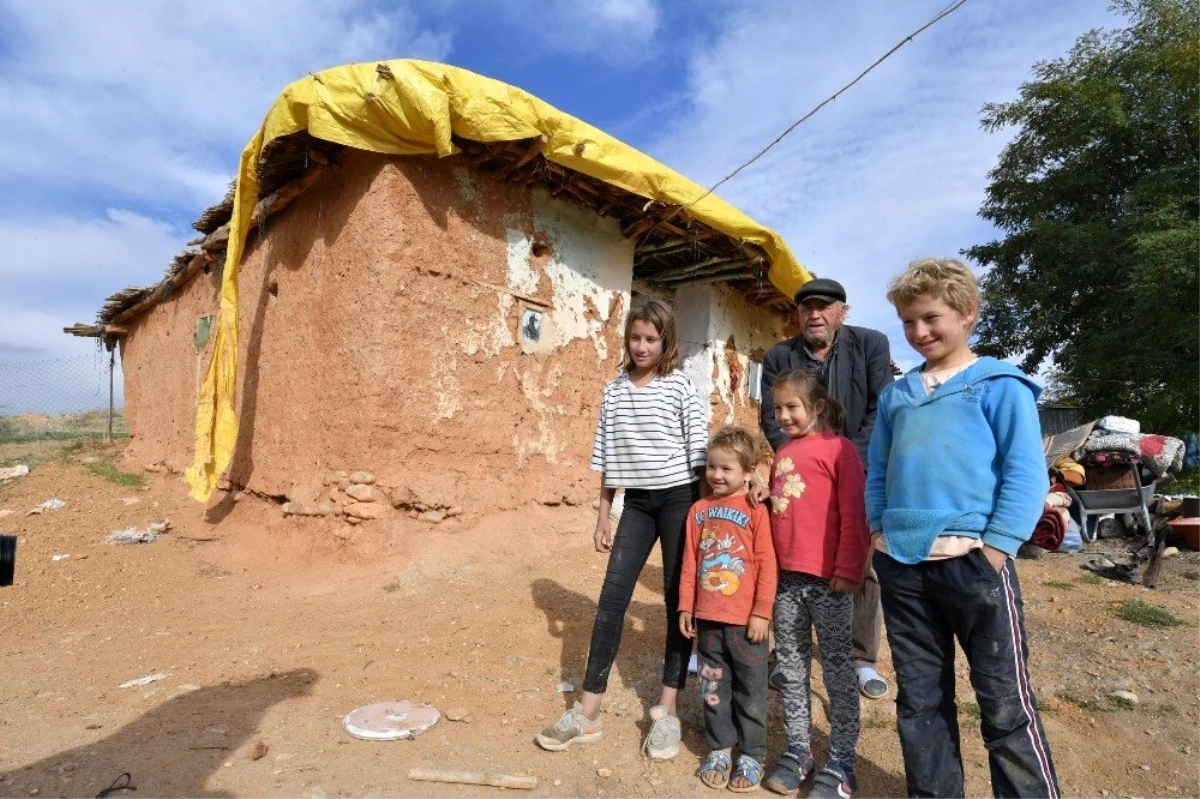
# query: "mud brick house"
{"type": "Point", "coordinates": [432, 273]}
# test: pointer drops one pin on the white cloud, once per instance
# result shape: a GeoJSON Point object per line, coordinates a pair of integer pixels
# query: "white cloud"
{"type": "Point", "coordinates": [64, 252]}
{"type": "Point", "coordinates": [615, 31]}
{"type": "Point", "coordinates": [156, 99]}
{"type": "Point", "coordinates": [58, 271]}
{"type": "Point", "coordinates": [895, 168]}
{"type": "Point", "coordinates": [144, 104]}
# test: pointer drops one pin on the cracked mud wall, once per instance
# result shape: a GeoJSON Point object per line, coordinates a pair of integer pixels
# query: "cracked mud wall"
{"type": "Point", "coordinates": [381, 329]}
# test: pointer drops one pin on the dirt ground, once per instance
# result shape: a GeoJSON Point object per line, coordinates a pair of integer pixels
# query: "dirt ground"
{"type": "Point", "coordinates": [270, 629]}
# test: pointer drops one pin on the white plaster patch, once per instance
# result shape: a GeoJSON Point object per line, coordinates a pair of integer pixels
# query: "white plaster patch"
{"type": "Point", "coordinates": [538, 384]}
{"type": "Point", "coordinates": [521, 276]}
{"type": "Point", "coordinates": [707, 316]}
{"type": "Point", "coordinates": [693, 309]}
{"type": "Point", "coordinates": [589, 264]}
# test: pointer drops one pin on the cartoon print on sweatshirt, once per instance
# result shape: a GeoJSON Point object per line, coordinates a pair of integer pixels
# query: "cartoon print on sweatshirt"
{"type": "Point", "coordinates": [786, 485]}
{"type": "Point", "coordinates": [720, 568]}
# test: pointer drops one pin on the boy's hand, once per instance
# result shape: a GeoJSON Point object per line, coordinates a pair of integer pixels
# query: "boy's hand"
{"type": "Point", "coordinates": [757, 492]}
{"type": "Point", "coordinates": [995, 557]}
{"type": "Point", "coordinates": [604, 533]}
{"type": "Point", "coordinates": [757, 628]}
{"type": "Point", "coordinates": [841, 585]}
{"type": "Point", "coordinates": [686, 625]}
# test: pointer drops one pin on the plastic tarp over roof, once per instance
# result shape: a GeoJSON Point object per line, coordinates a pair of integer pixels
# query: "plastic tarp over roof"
{"type": "Point", "coordinates": [412, 108]}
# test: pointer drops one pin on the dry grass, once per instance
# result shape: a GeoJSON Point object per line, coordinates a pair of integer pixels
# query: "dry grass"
{"type": "Point", "coordinates": [33, 427]}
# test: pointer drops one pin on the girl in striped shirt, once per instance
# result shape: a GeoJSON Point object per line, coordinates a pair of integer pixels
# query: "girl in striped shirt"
{"type": "Point", "coordinates": [652, 441]}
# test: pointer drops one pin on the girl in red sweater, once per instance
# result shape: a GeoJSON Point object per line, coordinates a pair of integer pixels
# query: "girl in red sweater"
{"type": "Point", "coordinates": [818, 524]}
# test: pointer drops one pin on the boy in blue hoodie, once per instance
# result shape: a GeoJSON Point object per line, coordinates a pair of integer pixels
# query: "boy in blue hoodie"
{"type": "Point", "coordinates": [956, 482]}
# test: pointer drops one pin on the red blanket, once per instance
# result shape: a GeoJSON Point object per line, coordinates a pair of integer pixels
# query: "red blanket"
{"type": "Point", "coordinates": [1050, 529]}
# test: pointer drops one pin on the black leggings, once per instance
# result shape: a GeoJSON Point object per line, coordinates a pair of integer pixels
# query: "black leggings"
{"type": "Point", "coordinates": [649, 515]}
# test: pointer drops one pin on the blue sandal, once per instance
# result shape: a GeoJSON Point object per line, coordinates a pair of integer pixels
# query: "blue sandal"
{"type": "Point", "coordinates": [717, 768]}
{"type": "Point", "coordinates": [747, 769]}
{"type": "Point", "coordinates": [793, 768]}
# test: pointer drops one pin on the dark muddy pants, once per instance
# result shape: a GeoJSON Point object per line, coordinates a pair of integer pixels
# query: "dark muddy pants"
{"type": "Point", "coordinates": [928, 605]}
{"type": "Point", "coordinates": [733, 685]}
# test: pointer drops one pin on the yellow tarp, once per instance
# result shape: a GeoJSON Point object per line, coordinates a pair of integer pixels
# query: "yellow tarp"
{"type": "Point", "coordinates": [414, 112]}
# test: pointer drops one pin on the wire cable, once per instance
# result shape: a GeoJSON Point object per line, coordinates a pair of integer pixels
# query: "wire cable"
{"type": "Point", "coordinates": [945, 12]}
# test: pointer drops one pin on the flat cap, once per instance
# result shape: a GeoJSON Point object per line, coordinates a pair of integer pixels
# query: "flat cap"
{"type": "Point", "coordinates": [821, 288]}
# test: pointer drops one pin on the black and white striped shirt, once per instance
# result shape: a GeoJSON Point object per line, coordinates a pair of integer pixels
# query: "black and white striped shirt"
{"type": "Point", "coordinates": [651, 437]}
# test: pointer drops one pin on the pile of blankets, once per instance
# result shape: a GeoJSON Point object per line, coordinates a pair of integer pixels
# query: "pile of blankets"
{"type": "Point", "coordinates": [1117, 440]}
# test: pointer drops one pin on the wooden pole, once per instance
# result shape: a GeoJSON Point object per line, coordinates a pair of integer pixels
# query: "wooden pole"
{"type": "Point", "coordinates": [112, 362]}
{"type": "Point", "coordinates": [473, 778]}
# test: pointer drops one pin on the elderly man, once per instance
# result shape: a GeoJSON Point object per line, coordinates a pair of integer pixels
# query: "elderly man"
{"type": "Point", "coordinates": [857, 365]}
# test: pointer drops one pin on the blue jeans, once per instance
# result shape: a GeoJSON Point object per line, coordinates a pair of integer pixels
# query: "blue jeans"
{"type": "Point", "coordinates": [928, 605]}
{"type": "Point", "coordinates": [650, 515]}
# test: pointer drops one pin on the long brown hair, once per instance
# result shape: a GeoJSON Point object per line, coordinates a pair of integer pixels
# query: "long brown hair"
{"type": "Point", "coordinates": [809, 385]}
{"type": "Point", "coordinates": [660, 315]}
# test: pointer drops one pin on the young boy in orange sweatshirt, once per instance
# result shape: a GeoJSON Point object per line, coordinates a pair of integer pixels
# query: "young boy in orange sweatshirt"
{"type": "Point", "coordinates": [726, 592]}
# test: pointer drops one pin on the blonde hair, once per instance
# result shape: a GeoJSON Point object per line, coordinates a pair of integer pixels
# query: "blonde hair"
{"type": "Point", "coordinates": [738, 441]}
{"type": "Point", "coordinates": [809, 385]}
{"type": "Point", "coordinates": [660, 315]}
{"type": "Point", "coordinates": [947, 279]}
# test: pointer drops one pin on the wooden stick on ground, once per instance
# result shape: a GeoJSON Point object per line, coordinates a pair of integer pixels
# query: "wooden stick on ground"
{"type": "Point", "coordinates": [473, 778]}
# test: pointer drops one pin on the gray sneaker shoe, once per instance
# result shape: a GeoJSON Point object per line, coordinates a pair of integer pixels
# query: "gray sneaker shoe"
{"type": "Point", "coordinates": [572, 728]}
{"type": "Point", "coordinates": [662, 742]}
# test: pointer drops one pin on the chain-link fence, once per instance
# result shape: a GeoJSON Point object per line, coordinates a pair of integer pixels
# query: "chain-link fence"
{"type": "Point", "coordinates": [67, 399]}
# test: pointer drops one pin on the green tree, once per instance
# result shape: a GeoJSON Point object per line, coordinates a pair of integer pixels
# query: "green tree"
{"type": "Point", "coordinates": [1098, 202]}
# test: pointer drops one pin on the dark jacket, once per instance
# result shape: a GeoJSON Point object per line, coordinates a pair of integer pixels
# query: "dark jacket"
{"type": "Point", "coordinates": [863, 368]}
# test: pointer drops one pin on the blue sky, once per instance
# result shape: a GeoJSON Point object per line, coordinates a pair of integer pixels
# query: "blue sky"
{"type": "Point", "coordinates": [123, 120]}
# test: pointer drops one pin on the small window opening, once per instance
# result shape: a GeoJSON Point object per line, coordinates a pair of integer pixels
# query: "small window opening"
{"type": "Point", "coordinates": [531, 325]}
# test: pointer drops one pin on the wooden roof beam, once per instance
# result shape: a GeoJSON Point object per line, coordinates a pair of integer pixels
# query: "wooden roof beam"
{"type": "Point", "coordinates": [531, 152]}
{"type": "Point", "coordinates": [692, 269]}
{"type": "Point", "coordinates": [735, 271]}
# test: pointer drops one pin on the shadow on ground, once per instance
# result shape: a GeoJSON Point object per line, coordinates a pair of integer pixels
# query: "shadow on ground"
{"type": "Point", "coordinates": [569, 617]}
{"type": "Point", "coordinates": [171, 751]}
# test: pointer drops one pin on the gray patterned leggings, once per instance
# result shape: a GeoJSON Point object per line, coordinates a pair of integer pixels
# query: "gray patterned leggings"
{"type": "Point", "coordinates": [802, 603]}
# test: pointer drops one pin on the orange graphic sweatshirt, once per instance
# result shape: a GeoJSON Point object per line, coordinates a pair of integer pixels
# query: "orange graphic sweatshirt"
{"type": "Point", "coordinates": [729, 571]}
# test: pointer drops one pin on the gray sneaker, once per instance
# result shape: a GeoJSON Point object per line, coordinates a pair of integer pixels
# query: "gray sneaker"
{"type": "Point", "coordinates": [662, 742]}
{"type": "Point", "coordinates": [572, 728]}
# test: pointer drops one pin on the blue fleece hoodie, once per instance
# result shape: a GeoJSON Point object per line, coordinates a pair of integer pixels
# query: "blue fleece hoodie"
{"type": "Point", "coordinates": [965, 459]}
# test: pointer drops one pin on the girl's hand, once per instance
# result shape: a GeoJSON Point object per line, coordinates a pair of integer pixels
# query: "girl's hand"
{"type": "Point", "coordinates": [841, 585]}
{"type": "Point", "coordinates": [757, 629]}
{"type": "Point", "coordinates": [687, 625]}
{"type": "Point", "coordinates": [757, 493]}
{"type": "Point", "coordinates": [604, 534]}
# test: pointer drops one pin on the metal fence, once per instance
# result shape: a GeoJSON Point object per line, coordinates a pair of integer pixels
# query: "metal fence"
{"type": "Point", "coordinates": [71, 398]}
